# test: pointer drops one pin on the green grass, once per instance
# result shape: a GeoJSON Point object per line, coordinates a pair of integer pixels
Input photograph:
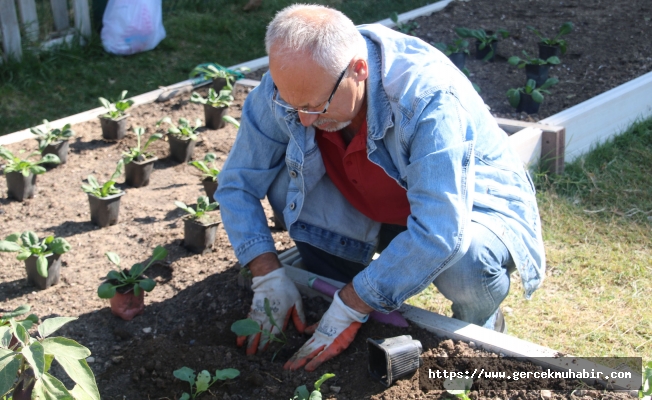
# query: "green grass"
{"type": "Point", "coordinates": [55, 85]}
{"type": "Point", "coordinates": [596, 218]}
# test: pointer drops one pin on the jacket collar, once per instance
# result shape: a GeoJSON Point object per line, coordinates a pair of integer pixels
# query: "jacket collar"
{"type": "Point", "coordinates": [379, 110]}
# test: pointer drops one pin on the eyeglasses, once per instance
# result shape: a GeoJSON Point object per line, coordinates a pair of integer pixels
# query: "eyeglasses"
{"type": "Point", "coordinates": [283, 104]}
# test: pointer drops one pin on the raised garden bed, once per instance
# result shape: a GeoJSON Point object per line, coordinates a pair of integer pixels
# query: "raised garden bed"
{"type": "Point", "coordinates": [188, 314]}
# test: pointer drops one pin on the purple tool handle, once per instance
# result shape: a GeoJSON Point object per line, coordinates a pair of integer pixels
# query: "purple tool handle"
{"type": "Point", "coordinates": [394, 318]}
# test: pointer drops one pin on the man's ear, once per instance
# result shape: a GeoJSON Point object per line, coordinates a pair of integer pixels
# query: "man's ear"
{"type": "Point", "coordinates": [360, 70]}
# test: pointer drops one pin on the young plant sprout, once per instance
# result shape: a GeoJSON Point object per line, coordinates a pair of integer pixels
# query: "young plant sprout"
{"type": "Point", "coordinates": [514, 94]}
{"type": "Point", "coordinates": [203, 206]}
{"type": "Point", "coordinates": [137, 153]}
{"type": "Point", "coordinates": [200, 383]}
{"type": "Point", "coordinates": [27, 323]}
{"type": "Point", "coordinates": [564, 29]}
{"type": "Point", "coordinates": [28, 244]}
{"type": "Point", "coordinates": [24, 166]}
{"type": "Point", "coordinates": [528, 60]}
{"type": "Point", "coordinates": [51, 135]}
{"type": "Point", "coordinates": [301, 392]}
{"type": "Point", "coordinates": [108, 188]}
{"type": "Point", "coordinates": [118, 108]}
{"type": "Point", "coordinates": [483, 38]}
{"type": "Point", "coordinates": [216, 71]}
{"type": "Point", "coordinates": [184, 130]}
{"type": "Point", "coordinates": [458, 46]}
{"type": "Point", "coordinates": [207, 167]}
{"type": "Point", "coordinates": [128, 279]}
{"type": "Point", "coordinates": [223, 99]}
{"type": "Point", "coordinates": [459, 387]}
{"type": "Point", "coordinates": [247, 327]}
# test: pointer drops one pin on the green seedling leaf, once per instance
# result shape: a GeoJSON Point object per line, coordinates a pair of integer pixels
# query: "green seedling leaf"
{"type": "Point", "coordinates": [323, 379]}
{"type": "Point", "coordinates": [185, 374]}
{"type": "Point", "coordinates": [80, 372]}
{"type": "Point", "coordinates": [113, 257]}
{"type": "Point", "coordinates": [9, 246]}
{"type": "Point", "coordinates": [64, 347]}
{"type": "Point", "coordinates": [203, 381]}
{"type": "Point", "coordinates": [106, 291]}
{"type": "Point", "coordinates": [184, 396]}
{"type": "Point", "coordinates": [147, 284]}
{"type": "Point", "coordinates": [60, 246]}
{"type": "Point", "coordinates": [23, 255]}
{"type": "Point", "coordinates": [35, 356]}
{"type": "Point", "coordinates": [136, 270]}
{"type": "Point", "coordinates": [137, 290]}
{"type": "Point", "coordinates": [228, 373]}
{"type": "Point", "coordinates": [29, 238]}
{"type": "Point", "coordinates": [5, 336]}
{"type": "Point", "coordinates": [315, 395]}
{"type": "Point", "coordinates": [20, 332]}
{"type": "Point", "coordinates": [79, 394]}
{"type": "Point", "coordinates": [301, 393]}
{"type": "Point", "coordinates": [42, 266]}
{"type": "Point", "coordinates": [51, 325]}
{"type": "Point", "coordinates": [113, 275]}
{"type": "Point", "coordinates": [9, 366]}
{"type": "Point", "coordinates": [245, 327]}
{"type": "Point", "coordinates": [159, 253]}
{"type": "Point", "coordinates": [18, 311]}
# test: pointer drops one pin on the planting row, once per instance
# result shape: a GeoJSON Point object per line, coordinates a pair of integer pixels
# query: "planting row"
{"type": "Point", "coordinates": [527, 98]}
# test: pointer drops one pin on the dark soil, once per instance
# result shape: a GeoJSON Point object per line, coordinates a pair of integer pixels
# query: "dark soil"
{"type": "Point", "coordinates": [189, 313]}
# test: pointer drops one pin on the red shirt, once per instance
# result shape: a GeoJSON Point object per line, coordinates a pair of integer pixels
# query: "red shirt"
{"type": "Point", "coordinates": [364, 184]}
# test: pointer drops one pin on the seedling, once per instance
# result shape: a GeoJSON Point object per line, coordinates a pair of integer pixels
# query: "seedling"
{"type": "Point", "coordinates": [223, 99]}
{"type": "Point", "coordinates": [199, 212]}
{"type": "Point", "coordinates": [24, 166]}
{"type": "Point", "coordinates": [483, 38]}
{"type": "Point", "coordinates": [137, 153]}
{"type": "Point", "coordinates": [200, 383]}
{"type": "Point", "coordinates": [514, 94]}
{"type": "Point", "coordinates": [301, 392]}
{"type": "Point", "coordinates": [27, 363]}
{"type": "Point", "coordinates": [646, 388]}
{"type": "Point", "coordinates": [564, 29]}
{"type": "Point", "coordinates": [529, 60]}
{"type": "Point", "coordinates": [27, 323]}
{"type": "Point", "coordinates": [118, 108]}
{"type": "Point", "coordinates": [107, 189]}
{"type": "Point", "coordinates": [459, 387]}
{"type": "Point", "coordinates": [28, 244]}
{"type": "Point", "coordinates": [404, 27]}
{"type": "Point", "coordinates": [247, 327]}
{"type": "Point", "coordinates": [207, 171]}
{"type": "Point", "coordinates": [184, 130]}
{"type": "Point", "coordinates": [51, 135]}
{"type": "Point", "coordinates": [132, 277]}
{"type": "Point", "coordinates": [215, 71]}
{"type": "Point", "coordinates": [458, 46]}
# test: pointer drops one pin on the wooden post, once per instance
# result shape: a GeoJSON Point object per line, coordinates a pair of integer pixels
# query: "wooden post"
{"type": "Point", "coordinates": [29, 19]}
{"type": "Point", "coordinates": [60, 14]}
{"type": "Point", "coordinates": [11, 43]}
{"type": "Point", "coordinates": [82, 18]}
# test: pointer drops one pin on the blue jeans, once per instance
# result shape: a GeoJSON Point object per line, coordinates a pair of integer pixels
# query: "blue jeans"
{"type": "Point", "coordinates": [476, 284]}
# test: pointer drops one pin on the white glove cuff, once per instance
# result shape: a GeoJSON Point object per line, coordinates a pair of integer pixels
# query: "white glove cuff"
{"type": "Point", "coordinates": [354, 315]}
{"type": "Point", "coordinates": [269, 279]}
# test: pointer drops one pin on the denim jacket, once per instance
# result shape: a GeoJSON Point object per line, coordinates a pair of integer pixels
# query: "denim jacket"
{"type": "Point", "coordinates": [431, 132]}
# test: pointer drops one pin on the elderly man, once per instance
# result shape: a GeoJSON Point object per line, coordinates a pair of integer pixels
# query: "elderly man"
{"type": "Point", "coordinates": [369, 141]}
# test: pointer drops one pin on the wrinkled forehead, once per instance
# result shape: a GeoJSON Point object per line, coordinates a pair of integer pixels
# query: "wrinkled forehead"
{"type": "Point", "coordinates": [296, 73]}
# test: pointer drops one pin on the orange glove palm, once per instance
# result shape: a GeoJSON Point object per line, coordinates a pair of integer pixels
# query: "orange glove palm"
{"type": "Point", "coordinates": [332, 335]}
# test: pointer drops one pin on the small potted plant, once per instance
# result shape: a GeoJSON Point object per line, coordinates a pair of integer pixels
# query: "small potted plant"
{"type": "Point", "coordinates": [556, 46]}
{"type": "Point", "coordinates": [529, 97]}
{"type": "Point", "coordinates": [199, 227]}
{"type": "Point", "coordinates": [54, 141]}
{"type": "Point", "coordinates": [25, 364]}
{"type": "Point", "coordinates": [114, 122]}
{"type": "Point", "coordinates": [138, 163]}
{"type": "Point", "coordinates": [456, 51]}
{"type": "Point", "coordinates": [220, 75]}
{"type": "Point", "coordinates": [125, 288]}
{"type": "Point", "coordinates": [21, 173]}
{"type": "Point", "coordinates": [209, 174]}
{"type": "Point", "coordinates": [535, 68]}
{"type": "Point", "coordinates": [215, 107]}
{"type": "Point", "coordinates": [42, 257]}
{"type": "Point", "coordinates": [486, 44]}
{"type": "Point", "coordinates": [182, 138]}
{"type": "Point", "coordinates": [104, 199]}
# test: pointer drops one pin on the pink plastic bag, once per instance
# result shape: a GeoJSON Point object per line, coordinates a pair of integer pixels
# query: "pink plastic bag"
{"type": "Point", "coordinates": [132, 26]}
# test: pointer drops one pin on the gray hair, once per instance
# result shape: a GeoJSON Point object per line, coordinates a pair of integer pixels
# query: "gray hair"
{"type": "Point", "coordinates": [327, 34]}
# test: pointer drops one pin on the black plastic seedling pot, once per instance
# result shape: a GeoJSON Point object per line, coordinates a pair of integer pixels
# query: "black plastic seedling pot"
{"type": "Point", "coordinates": [19, 186]}
{"type": "Point", "coordinates": [181, 149]}
{"type": "Point", "coordinates": [528, 104]}
{"type": "Point", "coordinates": [199, 237]}
{"type": "Point", "coordinates": [59, 149]}
{"type": "Point", "coordinates": [539, 73]}
{"type": "Point", "coordinates": [218, 84]}
{"type": "Point", "coordinates": [213, 116]}
{"type": "Point", "coordinates": [545, 51]}
{"type": "Point", "coordinates": [393, 358]}
{"type": "Point", "coordinates": [210, 186]}
{"type": "Point", "coordinates": [105, 210]}
{"type": "Point", "coordinates": [114, 129]}
{"type": "Point", "coordinates": [54, 271]}
{"type": "Point", "coordinates": [137, 173]}
{"type": "Point", "coordinates": [459, 59]}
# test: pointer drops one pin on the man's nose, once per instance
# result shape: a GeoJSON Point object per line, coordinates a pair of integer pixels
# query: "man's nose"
{"type": "Point", "coordinates": [307, 119]}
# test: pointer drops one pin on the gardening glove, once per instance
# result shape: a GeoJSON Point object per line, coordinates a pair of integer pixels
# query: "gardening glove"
{"type": "Point", "coordinates": [285, 302]}
{"type": "Point", "coordinates": [332, 335]}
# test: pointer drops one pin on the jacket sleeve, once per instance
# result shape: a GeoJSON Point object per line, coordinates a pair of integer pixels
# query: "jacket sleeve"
{"type": "Point", "coordinates": [440, 178]}
{"type": "Point", "coordinates": [254, 161]}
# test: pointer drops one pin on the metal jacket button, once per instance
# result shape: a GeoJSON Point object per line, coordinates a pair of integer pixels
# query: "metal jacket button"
{"type": "Point", "coordinates": [292, 206]}
{"type": "Point", "coordinates": [293, 174]}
